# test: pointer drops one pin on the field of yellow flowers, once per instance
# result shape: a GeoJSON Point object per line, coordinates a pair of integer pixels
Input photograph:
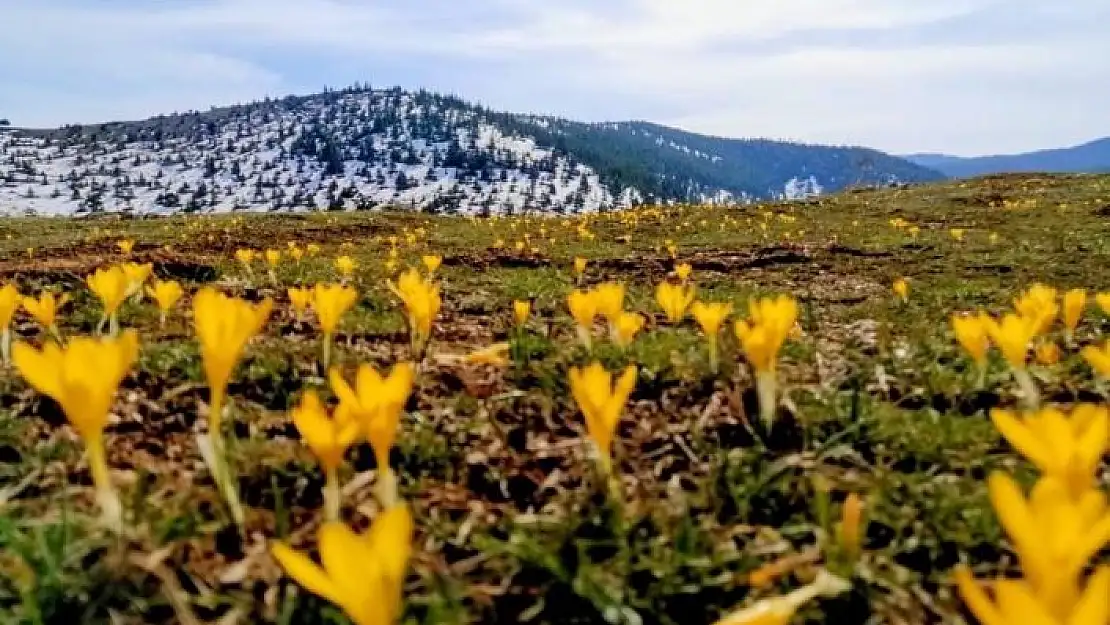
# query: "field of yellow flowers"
{"type": "Point", "coordinates": [885, 406]}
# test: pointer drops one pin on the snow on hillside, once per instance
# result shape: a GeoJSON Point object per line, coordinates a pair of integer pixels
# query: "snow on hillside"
{"type": "Point", "coordinates": [351, 150]}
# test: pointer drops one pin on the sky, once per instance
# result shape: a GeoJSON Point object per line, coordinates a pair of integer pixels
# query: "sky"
{"type": "Point", "coordinates": [961, 77]}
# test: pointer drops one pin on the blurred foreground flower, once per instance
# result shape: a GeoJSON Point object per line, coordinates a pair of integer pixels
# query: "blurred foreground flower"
{"type": "Point", "coordinates": [1038, 305]}
{"type": "Point", "coordinates": [1067, 448]}
{"type": "Point", "coordinates": [137, 275]}
{"type": "Point", "coordinates": [83, 378]}
{"type": "Point", "coordinates": [299, 298]}
{"type": "Point", "coordinates": [1098, 358]}
{"type": "Point", "coordinates": [362, 574]}
{"type": "Point", "coordinates": [1075, 301]}
{"type": "Point", "coordinates": [780, 610]}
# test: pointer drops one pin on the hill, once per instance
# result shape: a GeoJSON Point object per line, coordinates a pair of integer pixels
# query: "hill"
{"type": "Point", "coordinates": [1091, 157]}
{"type": "Point", "coordinates": [361, 148]}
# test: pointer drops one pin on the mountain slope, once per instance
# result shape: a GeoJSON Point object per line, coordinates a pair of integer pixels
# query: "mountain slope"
{"type": "Point", "coordinates": [1092, 157]}
{"type": "Point", "coordinates": [365, 148]}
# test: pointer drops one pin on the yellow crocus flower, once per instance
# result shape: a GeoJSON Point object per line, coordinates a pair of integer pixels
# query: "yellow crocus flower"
{"type": "Point", "coordinates": [431, 262]}
{"type": "Point", "coordinates": [362, 574]}
{"type": "Point", "coordinates": [1103, 301]}
{"type": "Point", "coordinates": [296, 253]}
{"type": "Point", "coordinates": [45, 308]}
{"type": "Point", "coordinates": [580, 265]}
{"type": "Point", "coordinates": [376, 404]}
{"type": "Point", "coordinates": [1075, 301]}
{"type": "Point", "coordinates": [273, 257]}
{"type": "Point", "coordinates": [83, 378]}
{"type": "Point", "coordinates": [1055, 537]}
{"type": "Point", "coordinates": [522, 309]}
{"type": "Point", "coordinates": [331, 302]}
{"type": "Point", "coordinates": [583, 309]}
{"type": "Point", "coordinates": [165, 293]}
{"type": "Point", "coordinates": [710, 317]}
{"type": "Point", "coordinates": [137, 275]}
{"type": "Point", "coordinates": [312, 249]}
{"type": "Point", "coordinates": [125, 246]}
{"type": "Point", "coordinates": [683, 271]}
{"type": "Point", "coordinates": [421, 299]}
{"type": "Point", "coordinates": [971, 332]}
{"type": "Point", "coordinates": [346, 266]}
{"type": "Point", "coordinates": [328, 437]}
{"type": "Point", "coordinates": [224, 325]}
{"type": "Point", "coordinates": [602, 403]}
{"type": "Point", "coordinates": [674, 299]}
{"type": "Point", "coordinates": [761, 337]}
{"type": "Point", "coordinates": [300, 298]}
{"type": "Point", "coordinates": [1015, 602]}
{"type": "Point", "coordinates": [1038, 304]}
{"type": "Point", "coordinates": [110, 287]}
{"type": "Point", "coordinates": [1012, 336]}
{"type": "Point", "coordinates": [850, 529]}
{"type": "Point", "coordinates": [627, 326]}
{"type": "Point", "coordinates": [1098, 358]}
{"type": "Point", "coordinates": [957, 233]}
{"type": "Point", "coordinates": [610, 300]}
{"type": "Point", "coordinates": [9, 303]}
{"type": "Point", "coordinates": [1064, 447]}
{"type": "Point", "coordinates": [1047, 354]}
{"type": "Point", "coordinates": [901, 289]}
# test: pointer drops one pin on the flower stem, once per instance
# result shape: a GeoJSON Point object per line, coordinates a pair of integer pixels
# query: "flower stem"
{"type": "Point", "coordinates": [766, 389]}
{"type": "Point", "coordinates": [107, 499]}
{"type": "Point", "coordinates": [1031, 397]}
{"type": "Point", "coordinates": [331, 494]}
{"type": "Point", "coordinates": [6, 345]}
{"type": "Point", "coordinates": [113, 324]}
{"type": "Point", "coordinates": [714, 359]}
{"type": "Point", "coordinates": [325, 357]}
{"type": "Point", "coordinates": [387, 487]}
{"type": "Point", "coordinates": [162, 320]}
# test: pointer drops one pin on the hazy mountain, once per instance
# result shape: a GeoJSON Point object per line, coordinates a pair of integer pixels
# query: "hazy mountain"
{"type": "Point", "coordinates": [1093, 157]}
{"type": "Point", "coordinates": [361, 148]}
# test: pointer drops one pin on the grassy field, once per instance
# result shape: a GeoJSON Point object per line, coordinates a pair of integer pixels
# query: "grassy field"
{"type": "Point", "coordinates": [512, 521]}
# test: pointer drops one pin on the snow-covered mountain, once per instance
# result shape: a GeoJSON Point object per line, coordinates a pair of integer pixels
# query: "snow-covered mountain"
{"type": "Point", "coordinates": [361, 148]}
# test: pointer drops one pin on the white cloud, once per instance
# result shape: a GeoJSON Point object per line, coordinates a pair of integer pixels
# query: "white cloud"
{"type": "Point", "coordinates": [950, 75]}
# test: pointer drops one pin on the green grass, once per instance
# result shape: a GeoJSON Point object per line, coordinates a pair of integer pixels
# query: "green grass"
{"type": "Point", "coordinates": [513, 523]}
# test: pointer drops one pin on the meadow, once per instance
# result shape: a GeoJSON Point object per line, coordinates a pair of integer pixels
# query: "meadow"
{"type": "Point", "coordinates": [882, 406]}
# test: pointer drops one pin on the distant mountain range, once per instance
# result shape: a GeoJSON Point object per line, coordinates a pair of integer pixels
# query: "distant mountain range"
{"type": "Point", "coordinates": [362, 148]}
{"type": "Point", "coordinates": [1092, 157]}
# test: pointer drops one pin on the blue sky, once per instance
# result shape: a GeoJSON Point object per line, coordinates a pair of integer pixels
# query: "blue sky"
{"type": "Point", "coordinates": [957, 76]}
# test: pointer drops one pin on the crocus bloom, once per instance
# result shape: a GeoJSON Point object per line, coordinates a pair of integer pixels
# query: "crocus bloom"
{"type": "Point", "coordinates": [110, 287]}
{"type": "Point", "coordinates": [683, 271]}
{"type": "Point", "coordinates": [1015, 602]}
{"type": "Point", "coordinates": [674, 299]}
{"type": "Point", "coordinates": [1098, 358]}
{"type": "Point", "coordinates": [9, 303]}
{"type": "Point", "coordinates": [610, 300]}
{"type": "Point", "coordinates": [1055, 537]}
{"type": "Point", "coordinates": [579, 265]}
{"type": "Point", "coordinates": [902, 289]}
{"type": "Point", "coordinates": [1012, 336]}
{"type": "Point", "coordinates": [522, 309]}
{"type": "Point", "coordinates": [601, 402]}
{"type": "Point", "coordinates": [331, 302]}
{"type": "Point", "coordinates": [362, 574]}
{"type": "Point", "coordinates": [312, 249]}
{"type": "Point", "coordinates": [273, 257]}
{"type": "Point", "coordinates": [851, 526]}
{"type": "Point", "coordinates": [710, 317]}
{"type": "Point", "coordinates": [245, 256]}
{"type": "Point", "coordinates": [627, 326]}
{"type": "Point", "coordinates": [328, 437]}
{"type": "Point", "coordinates": [346, 266]}
{"type": "Point", "coordinates": [1047, 354]}
{"type": "Point", "coordinates": [1075, 301]}
{"type": "Point", "coordinates": [45, 308]}
{"type": "Point", "coordinates": [1103, 301]}
{"type": "Point", "coordinates": [422, 301]}
{"type": "Point", "coordinates": [761, 338]}
{"type": "Point", "coordinates": [300, 299]}
{"type": "Point", "coordinates": [1067, 448]}
{"type": "Point", "coordinates": [224, 325]}
{"type": "Point", "coordinates": [376, 404]}
{"type": "Point", "coordinates": [496, 354]}
{"type": "Point", "coordinates": [137, 275]}
{"type": "Point", "coordinates": [165, 294]}
{"type": "Point", "coordinates": [295, 252]}
{"type": "Point", "coordinates": [971, 332]}
{"type": "Point", "coordinates": [957, 233]}
{"type": "Point", "coordinates": [125, 246]}
{"type": "Point", "coordinates": [83, 378]}
{"type": "Point", "coordinates": [583, 309]}
{"type": "Point", "coordinates": [431, 262]}
{"type": "Point", "coordinates": [1038, 304]}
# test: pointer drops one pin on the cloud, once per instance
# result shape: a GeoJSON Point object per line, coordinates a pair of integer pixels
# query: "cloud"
{"type": "Point", "coordinates": [961, 76]}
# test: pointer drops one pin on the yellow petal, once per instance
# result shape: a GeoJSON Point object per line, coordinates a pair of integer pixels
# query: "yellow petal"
{"type": "Point", "coordinates": [976, 599]}
{"type": "Point", "coordinates": [305, 572]}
